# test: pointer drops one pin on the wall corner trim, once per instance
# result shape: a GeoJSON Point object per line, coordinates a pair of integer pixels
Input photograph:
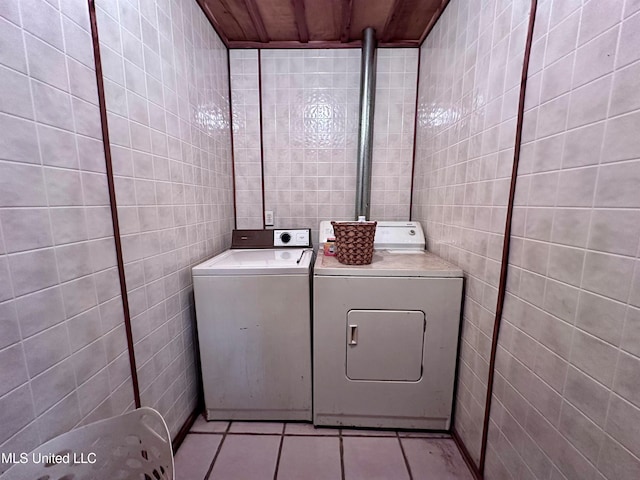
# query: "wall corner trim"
{"type": "Point", "coordinates": [112, 200]}
{"type": "Point", "coordinates": [502, 286]}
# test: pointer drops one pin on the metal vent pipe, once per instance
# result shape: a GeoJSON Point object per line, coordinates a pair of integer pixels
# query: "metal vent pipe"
{"type": "Point", "coordinates": [365, 130]}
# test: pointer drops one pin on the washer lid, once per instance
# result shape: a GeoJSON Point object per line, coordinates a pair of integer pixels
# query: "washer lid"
{"type": "Point", "coordinates": [257, 262]}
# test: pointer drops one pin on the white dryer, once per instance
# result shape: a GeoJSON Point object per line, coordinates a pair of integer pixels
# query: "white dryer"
{"type": "Point", "coordinates": [253, 312]}
{"type": "Point", "coordinates": [386, 334]}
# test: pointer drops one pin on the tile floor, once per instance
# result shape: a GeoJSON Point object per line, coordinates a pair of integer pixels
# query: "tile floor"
{"type": "Point", "coordinates": [297, 451]}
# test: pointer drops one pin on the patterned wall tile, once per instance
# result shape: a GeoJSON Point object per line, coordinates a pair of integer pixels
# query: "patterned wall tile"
{"type": "Point", "coordinates": [310, 103]}
{"type": "Point", "coordinates": [61, 322]}
{"type": "Point", "coordinates": [245, 103]}
{"type": "Point", "coordinates": [393, 133]}
{"type": "Point", "coordinates": [566, 404]}
{"type": "Point", "coordinates": [309, 109]}
{"type": "Point", "coordinates": [167, 96]}
{"type": "Point", "coordinates": [467, 103]}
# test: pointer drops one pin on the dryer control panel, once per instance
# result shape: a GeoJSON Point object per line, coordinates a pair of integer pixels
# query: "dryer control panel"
{"type": "Point", "coordinates": [400, 236]}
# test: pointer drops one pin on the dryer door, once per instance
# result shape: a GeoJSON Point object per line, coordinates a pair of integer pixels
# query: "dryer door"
{"type": "Point", "coordinates": [385, 345]}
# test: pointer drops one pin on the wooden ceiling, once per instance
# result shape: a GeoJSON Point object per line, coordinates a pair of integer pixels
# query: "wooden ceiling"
{"type": "Point", "coordinates": [320, 23]}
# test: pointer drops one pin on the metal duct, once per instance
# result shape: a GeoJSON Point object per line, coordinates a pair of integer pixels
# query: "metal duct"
{"type": "Point", "coordinates": [365, 130]}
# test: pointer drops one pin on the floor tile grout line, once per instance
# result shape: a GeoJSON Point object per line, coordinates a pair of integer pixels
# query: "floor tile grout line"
{"type": "Point", "coordinates": [404, 456]}
{"type": "Point", "coordinates": [315, 435]}
{"type": "Point", "coordinates": [275, 473]}
{"type": "Point", "coordinates": [282, 434]}
{"type": "Point", "coordinates": [215, 457]}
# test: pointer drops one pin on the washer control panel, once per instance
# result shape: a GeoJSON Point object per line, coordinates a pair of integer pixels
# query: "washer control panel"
{"type": "Point", "coordinates": [295, 237]}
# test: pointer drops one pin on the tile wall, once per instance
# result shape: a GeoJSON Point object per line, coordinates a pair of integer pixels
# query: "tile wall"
{"type": "Point", "coordinates": [310, 128]}
{"type": "Point", "coordinates": [310, 104]}
{"type": "Point", "coordinates": [567, 394]}
{"type": "Point", "coordinates": [245, 105]}
{"type": "Point", "coordinates": [393, 133]}
{"type": "Point", "coordinates": [469, 78]}
{"type": "Point", "coordinates": [63, 358]}
{"type": "Point", "coordinates": [167, 95]}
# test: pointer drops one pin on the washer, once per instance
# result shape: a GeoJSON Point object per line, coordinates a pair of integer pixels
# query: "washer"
{"type": "Point", "coordinates": [386, 334]}
{"type": "Point", "coordinates": [253, 313]}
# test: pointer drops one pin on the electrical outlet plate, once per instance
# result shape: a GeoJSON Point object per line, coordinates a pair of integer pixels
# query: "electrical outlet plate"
{"type": "Point", "coordinates": [268, 218]}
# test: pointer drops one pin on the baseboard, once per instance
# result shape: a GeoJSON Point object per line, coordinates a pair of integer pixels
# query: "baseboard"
{"type": "Point", "coordinates": [184, 430]}
{"type": "Point", "coordinates": [473, 468]}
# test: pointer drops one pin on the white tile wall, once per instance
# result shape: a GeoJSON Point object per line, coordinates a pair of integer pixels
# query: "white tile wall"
{"type": "Point", "coordinates": [393, 132]}
{"type": "Point", "coordinates": [167, 94]}
{"type": "Point", "coordinates": [245, 103]}
{"type": "Point", "coordinates": [63, 359]}
{"type": "Point", "coordinates": [310, 127]}
{"type": "Point", "coordinates": [310, 102]}
{"type": "Point", "coordinates": [470, 71]}
{"type": "Point", "coordinates": [567, 403]}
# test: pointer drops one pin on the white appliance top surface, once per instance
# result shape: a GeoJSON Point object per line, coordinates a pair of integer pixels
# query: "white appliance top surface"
{"type": "Point", "coordinates": [258, 261]}
{"type": "Point", "coordinates": [389, 264]}
{"type": "Point", "coordinates": [389, 235]}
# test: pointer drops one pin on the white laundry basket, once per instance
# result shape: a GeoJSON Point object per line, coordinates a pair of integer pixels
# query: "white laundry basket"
{"type": "Point", "coordinates": [135, 445]}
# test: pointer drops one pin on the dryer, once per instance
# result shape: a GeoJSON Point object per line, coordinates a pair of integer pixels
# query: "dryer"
{"type": "Point", "coordinates": [386, 334]}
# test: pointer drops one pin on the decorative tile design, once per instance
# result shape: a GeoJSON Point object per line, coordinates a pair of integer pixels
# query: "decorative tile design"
{"type": "Point", "coordinates": [310, 102]}
{"type": "Point", "coordinates": [63, 359]}
{"type": "Point", "coordinates": [310, 127]}
{"type": "Point", "coordinates": [167, 95]}
{"type": "Point", "coordinates": [467, 104]}
{"type": "Point", "coordinates": [566, 405]}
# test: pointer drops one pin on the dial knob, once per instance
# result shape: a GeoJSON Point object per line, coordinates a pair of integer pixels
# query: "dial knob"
{"type": "Point", "coordinates": [285, 237]}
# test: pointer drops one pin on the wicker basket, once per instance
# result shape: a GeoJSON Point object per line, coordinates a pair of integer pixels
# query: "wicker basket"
{"type": "Point", "coordinates": [354, 242]}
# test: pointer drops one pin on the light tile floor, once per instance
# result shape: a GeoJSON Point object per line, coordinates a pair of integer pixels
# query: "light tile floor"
{"type": "Point", "coordinates": [298, 451]}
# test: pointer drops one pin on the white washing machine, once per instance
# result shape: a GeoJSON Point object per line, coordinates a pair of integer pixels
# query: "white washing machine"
{"type": "Point", "coordinates": [253, 312]}
{"type": "Point", "coordinates": [386, 334]}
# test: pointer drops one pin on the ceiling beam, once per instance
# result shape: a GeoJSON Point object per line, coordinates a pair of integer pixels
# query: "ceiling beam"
{"type": "Point", "coordinates": [392, 21]}
{"type": "Point", "coordinates": [347, 11]}
{"type": "Point", "coordinates": [286, 44]}
{"type": "Point", "coordinates": [301, 20]}
{"type": "Point", "coordinates": [256, 18]}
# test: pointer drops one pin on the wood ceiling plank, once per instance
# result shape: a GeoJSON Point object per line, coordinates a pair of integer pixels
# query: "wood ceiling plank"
{"type": "Point", "coordinates": [257, 20]}
{"type": "Point", "coordinates": [347, 16]}
{"type": "Point", "coordinates": [393, 18]}
{"type": "Point", "coordinates": [233, 19]}
{"type": "Point", "coordinates": [324, 19]}
{"type": "Point", "coordinates": [279, 19]}
{"type": "Point", "coordinates": [301, 20]}
{"type": "Point", "coordinates": [414, 17]}
{"type": "Point", "coordinates": [267, 23]}
{"type": "Point", "coordinates": [369, 14]}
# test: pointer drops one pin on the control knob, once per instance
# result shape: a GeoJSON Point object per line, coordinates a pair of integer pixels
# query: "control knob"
{"type": "Point", "coordinates": [285, 237]}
